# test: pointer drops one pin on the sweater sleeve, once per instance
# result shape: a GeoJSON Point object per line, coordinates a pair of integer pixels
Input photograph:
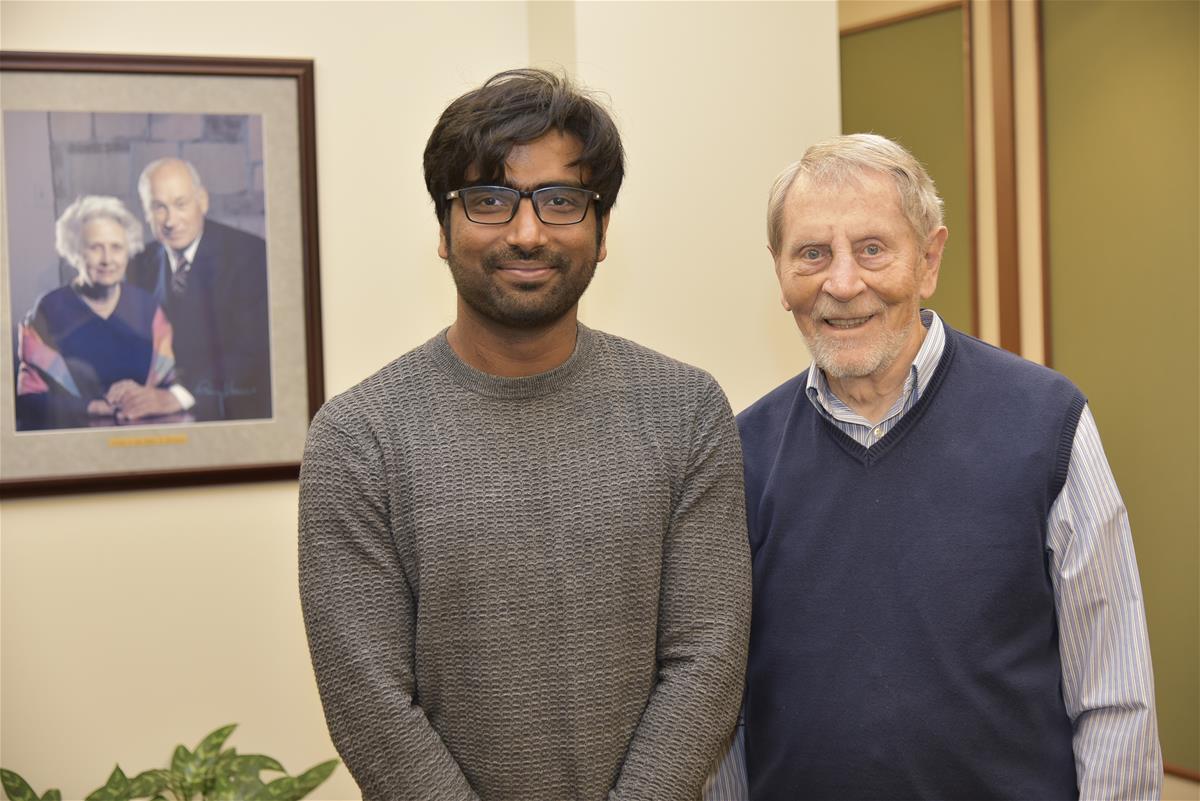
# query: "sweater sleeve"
{"type": "Point", "coordinates": [359, 613]}
{"type": "Point", "coordinates": [703, 621]}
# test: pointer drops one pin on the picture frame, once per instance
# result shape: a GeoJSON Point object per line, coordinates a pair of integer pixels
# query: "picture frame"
{"type": "Point", "coordinates": [223, 145]}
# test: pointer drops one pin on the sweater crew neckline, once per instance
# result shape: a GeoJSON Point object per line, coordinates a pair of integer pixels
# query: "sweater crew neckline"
{"type": "Point", "coordinates": [494, 386]}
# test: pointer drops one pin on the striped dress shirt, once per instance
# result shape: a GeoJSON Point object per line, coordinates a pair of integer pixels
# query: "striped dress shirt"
{"type": "Point", "coordinates": [1108, 685]}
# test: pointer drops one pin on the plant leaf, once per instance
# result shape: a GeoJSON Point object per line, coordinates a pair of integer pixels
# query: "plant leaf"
{"type": "Point", "coordinates": [236, 777]}
{"type": "Point", "coordinates": [16, 788]}
{"type": "Point", "coordinates": [253, 764]}
{"type": "Point", "coordinates": [224, 777]}
{"type": "Point", "coordinates": [190, 773]}
{"type": "Point", "coordinates": [52, 795]}
{"type": "Point", "coordinates": [210, 747]}
{"type": "Point", "coordinates": [204, 759]}
{"type": "Point", "coordinates": [310, 779]}
{"type": "Point", "coordinates": [222, 790]}
{"type": "Point", "coordinates": [176, 784]}
{"type": "Point", "coordinates": [289, 788]}
{"type": "Point", "coordinates": [180, 759]}
{"type": "Point", "coordinates": [282, 789]}
{"type": "Point", "coordinates": [148, 783]}
{"type": "Point", "coordinates": [115, 789]}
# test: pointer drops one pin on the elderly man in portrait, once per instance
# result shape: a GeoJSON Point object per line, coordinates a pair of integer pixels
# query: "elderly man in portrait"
{"type": "Point", "coordinates": [523, 556]}
{"type": "Point", "coordinates": [946, 600]}
{"type": "Point", "coordinates": [211, 280]}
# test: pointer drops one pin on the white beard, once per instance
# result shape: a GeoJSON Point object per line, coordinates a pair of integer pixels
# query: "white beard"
{"type": "Point", "coordinates": [841, 361]}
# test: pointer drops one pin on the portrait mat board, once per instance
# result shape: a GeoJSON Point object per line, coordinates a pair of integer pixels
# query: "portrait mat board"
{"type": "Point", "coordinates": [179, 453]}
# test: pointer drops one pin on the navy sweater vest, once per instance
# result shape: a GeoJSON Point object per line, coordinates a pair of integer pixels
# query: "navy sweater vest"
{"type": "Point", "coordinates": [904, 641]}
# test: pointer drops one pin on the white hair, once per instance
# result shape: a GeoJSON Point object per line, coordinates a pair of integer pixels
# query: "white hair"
{"type": "Point", "coordinates": [840, 160]}
{"type": "Point", "coordinates": [143, 185]}
{"type": "Point", "coordinates": [68, 231]}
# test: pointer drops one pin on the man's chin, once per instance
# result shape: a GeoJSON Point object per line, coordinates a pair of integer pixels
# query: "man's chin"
{"type": "Point", "coordinates": [847, 369]}
{"type": "Point", "coordinates": [527, 317]}
{"type": "Point", "coordinates": [839, 361]}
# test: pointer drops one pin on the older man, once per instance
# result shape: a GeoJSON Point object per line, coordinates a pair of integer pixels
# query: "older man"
{"type": "Point", "coordinates": [211, 281]}
{"type": "Point", "coordinates": [946, 601]}
{"type": "Point", "coordinates": [523, 559]}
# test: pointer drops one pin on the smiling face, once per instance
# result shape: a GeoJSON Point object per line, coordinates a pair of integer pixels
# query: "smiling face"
{"type": "Point", "coordinates": [853, 274]}
{"type": "Point", "coordinates": [105, 253]}
{"type": "Point", "coordinates": [176, 206]}
{"type": "Point", "coordinates": [525, 274]}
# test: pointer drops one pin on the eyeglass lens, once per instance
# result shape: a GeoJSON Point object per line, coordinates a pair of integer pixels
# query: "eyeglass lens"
{"type": "Point", "coordinates": [554, 205]}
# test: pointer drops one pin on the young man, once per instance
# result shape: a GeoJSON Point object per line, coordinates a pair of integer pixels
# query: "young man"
{"type": "Point", "coordinates": [523, 560]}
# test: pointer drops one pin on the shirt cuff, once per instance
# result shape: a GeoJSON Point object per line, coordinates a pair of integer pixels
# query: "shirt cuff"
{"type": "Point", "coordinates": [186, 401]}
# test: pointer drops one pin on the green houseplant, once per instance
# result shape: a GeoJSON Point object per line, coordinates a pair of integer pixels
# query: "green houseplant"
{"type": "Point", "coordinates": [210, 772]}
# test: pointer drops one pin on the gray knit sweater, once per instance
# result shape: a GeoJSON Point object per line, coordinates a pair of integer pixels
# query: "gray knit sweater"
{"type": "Point", "coordinates": [527, 589]}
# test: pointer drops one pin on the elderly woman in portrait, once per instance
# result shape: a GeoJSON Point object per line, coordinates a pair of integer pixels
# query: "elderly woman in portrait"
{"type": "Point", "coordinates": [96, 348]}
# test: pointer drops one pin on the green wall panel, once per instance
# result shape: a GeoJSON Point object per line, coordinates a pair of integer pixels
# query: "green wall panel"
{"type": "Point", "coordinates": [1123, 136]}
{"type": "Point", "coordinates": [906, 81]}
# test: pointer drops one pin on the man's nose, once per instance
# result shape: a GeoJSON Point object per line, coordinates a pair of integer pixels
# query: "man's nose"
{"type": "Point", "coordinates": [844, 281]}
{"type": "Point", "coordinates": [525, 230]}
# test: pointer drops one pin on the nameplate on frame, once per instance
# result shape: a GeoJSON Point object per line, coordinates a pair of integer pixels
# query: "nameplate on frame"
{"type": "Point", "coordinates": [143, 442]}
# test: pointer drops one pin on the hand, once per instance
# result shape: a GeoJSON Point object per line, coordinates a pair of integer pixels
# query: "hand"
{"type": "Point", "coordinates": [132, 401]}
{"type": "Point", "coordinates": [99, 408]}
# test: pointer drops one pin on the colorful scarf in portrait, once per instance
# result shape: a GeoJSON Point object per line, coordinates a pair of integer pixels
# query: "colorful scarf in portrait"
{"type": "Point", "coordinates": [70, 356]}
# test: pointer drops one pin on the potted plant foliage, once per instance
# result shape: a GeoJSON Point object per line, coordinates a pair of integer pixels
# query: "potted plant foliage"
{"type": "Point", "coordinates": [210, 772]}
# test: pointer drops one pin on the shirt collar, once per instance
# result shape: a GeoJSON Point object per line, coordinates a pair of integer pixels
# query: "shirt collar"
{"type": "Point", "coordinates": [189, 253]}
{"type": "Point", "coordinates": [817, 387]}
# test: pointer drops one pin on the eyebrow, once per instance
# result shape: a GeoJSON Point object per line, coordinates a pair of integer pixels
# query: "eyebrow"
{"type": "Point", "coordinates": [574, 184]}
{"type": "Point", "coordinates": [808, 244]}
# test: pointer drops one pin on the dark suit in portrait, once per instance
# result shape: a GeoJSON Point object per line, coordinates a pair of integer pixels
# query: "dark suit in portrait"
{"type": "Point", "coordinates": [221, 321]}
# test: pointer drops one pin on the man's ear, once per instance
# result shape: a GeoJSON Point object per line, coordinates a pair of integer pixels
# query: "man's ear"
{"type": "Point", "coordinates": [933, 262]}
{"type": "Point", "coordinates": [602, 247]}
{"type": "Point", "coordinates": [202, 199]}
{"type": "Point", "coordinates": [443, 242]}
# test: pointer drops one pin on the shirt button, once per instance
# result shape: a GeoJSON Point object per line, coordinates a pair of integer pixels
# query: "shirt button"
{"type": "Point", "coordinates": [878, 432]}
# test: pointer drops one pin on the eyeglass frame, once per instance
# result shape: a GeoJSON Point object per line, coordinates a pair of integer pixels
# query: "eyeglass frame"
{"type": "Point", "coordinates": [593, 199]}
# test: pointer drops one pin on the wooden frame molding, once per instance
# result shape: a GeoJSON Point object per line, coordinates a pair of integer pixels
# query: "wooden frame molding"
{"type": "Point", "coordinates": [1008, 289]}
{"type": "Point", "coordinates": [968, 54]}
{"type": "Point", "coordinates": [1181, 773]}
{"type": "Point", "coordinates": [907, 15]}
{"type": "Point", "coordinates": [210, 459]}
{"type": "Point", "coordinates": [1044, 189]}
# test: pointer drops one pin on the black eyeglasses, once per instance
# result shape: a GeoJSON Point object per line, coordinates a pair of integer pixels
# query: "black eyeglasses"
{"type": "Point", "coordinates": [553, 205]}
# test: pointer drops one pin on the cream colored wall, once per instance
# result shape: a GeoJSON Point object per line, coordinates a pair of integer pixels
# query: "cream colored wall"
{"type": "Point", "coordinates": [712, 103]}
{"type": "Point", "coordinates": [133, 621]}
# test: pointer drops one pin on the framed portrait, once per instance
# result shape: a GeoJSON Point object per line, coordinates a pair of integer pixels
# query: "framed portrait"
{"type": "Point", "coordinates": [159, 282]}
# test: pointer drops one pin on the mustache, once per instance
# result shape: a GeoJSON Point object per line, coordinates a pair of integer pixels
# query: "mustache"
{"type": "Point", "coordinates": [551, 258]}
{"type": "Point", "coordinates": [826, 307]}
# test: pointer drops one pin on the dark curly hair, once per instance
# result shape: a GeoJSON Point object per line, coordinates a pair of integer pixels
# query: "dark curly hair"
{"type": "Point", "coordinates": [516, 107]}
